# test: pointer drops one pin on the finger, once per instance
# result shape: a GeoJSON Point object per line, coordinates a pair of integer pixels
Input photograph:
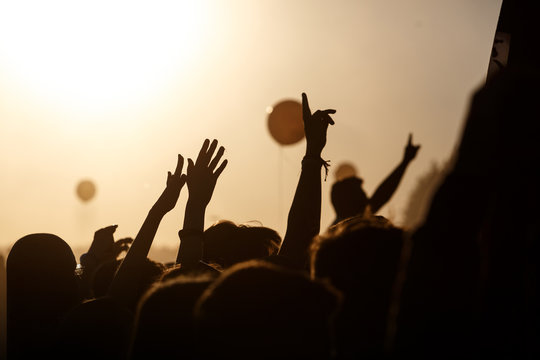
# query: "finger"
{"type": "Point", "coordinates": [306, 112]}
{"type": "Point", "coordinates": [329, 111]}
{"type": "Point", "coordinates": [168, 177]}
{"type": "Point", "coordinates": [323, 115]}
{"type": "Point", "coordinates": [107, 230]}
{"type": "Point", "coordinates": [190, 166]}
{"type": "Point", "coordinates": [220, 168]}
{"type": "Point", "coordinates": [203, 150]}
{"type": "Point", "coordinates": [210, 151]}
{"type": "Point", "coordinates": [179, 165]}
{"type": "Point", "coordinates": [328, 119]}
{"type": "Point", "coordinates": [410, 139]}
{"type": "Point", "coordinates": [216, 159]}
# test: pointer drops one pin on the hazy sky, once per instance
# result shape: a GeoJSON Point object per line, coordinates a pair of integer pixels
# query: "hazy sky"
{"type": "Point", "coordinates": [112, 91]}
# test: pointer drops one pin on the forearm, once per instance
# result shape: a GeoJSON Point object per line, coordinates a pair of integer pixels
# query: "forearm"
{"type": "Point", "coordinates": [388, 187]}
{"type": "Point", "coordinates": [304, 219]}
{"type": "Point", "coordinates": [305, 213]}
{"type": "Point", "coordinates": [190, 251]}
{"type": "Point", "coordinates": [137, 254]}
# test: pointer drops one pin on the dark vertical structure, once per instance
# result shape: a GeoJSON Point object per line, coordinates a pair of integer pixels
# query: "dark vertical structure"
{"type": "Point", "coordinates": [472, 286]}
{"type": "Point", "coordinates": [516, 39]}
{"type": "Point", "coordinates": [3, 308]}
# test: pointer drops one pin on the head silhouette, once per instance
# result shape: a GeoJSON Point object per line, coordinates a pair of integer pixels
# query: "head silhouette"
{"type": "Point", "coordinates": [360, 256]}
{"type": "Point", "coordinates": [348, 198]}
{"type": "Point", "coordinates": [260, 310]}
{"type": "Point", "coordinates": [164, 326]}
{"type": "Point", "coordinates": [226, 243]}
{"type": "Point", "coordinates": [41, 287]}
{"type": "Point", "coordinates": [150, 272]}
{"type": "Point", "coordinates": [357, 252]}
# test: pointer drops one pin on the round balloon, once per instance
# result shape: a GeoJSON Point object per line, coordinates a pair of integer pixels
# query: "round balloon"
{"type": "Point", "coordinates": [86, 190]}
{"type": "Point", "coordinates": [285, 122]}
{"type": "Point", "coordinates": [344, 171]}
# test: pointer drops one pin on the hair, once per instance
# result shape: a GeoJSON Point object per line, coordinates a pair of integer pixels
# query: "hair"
{"type": "Point", "coordinates": [202, 269]}
{"type": "Point", "coordinates": [260, 310]}
{"type": "Point", "coordinates": [226, 243]}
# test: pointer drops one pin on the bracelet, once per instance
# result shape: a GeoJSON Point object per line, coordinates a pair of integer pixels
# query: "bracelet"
{"type": "Point", "coordinates": [317, 161]}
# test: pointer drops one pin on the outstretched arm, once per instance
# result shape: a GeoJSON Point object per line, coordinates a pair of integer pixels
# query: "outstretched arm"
{"type": "Point", "coordinates": [305, 214]}
{"type": "Point", "coordinates": [124, 284]}
{"type": "Point", "coordinates": [201, 181]}
{"type": "Point", "coordinates": [387, 188]}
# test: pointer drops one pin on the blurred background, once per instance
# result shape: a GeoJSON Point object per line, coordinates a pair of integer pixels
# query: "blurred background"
{"type": "Point", "coordinates": [111, 91]}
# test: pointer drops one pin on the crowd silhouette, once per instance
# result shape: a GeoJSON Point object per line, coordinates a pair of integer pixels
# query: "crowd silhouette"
{"type": "Point", "coordinates": [463, 284]}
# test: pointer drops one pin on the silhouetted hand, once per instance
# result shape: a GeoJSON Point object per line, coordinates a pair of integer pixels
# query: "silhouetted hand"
{"type": "Point", "coordinates": [104, 248]}
{"type": "Point", "coordinates": [410, 150]}
{"type": "Point", "coordinates": [175, 182]}
{"type": "Point", "coordinates": [201, 177]}
{"type": "Point", "coordinates": [315, 126]}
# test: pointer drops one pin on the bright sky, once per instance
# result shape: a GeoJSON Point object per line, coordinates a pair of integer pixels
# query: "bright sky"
{"type": "Point", "coordinates": [113, 90]}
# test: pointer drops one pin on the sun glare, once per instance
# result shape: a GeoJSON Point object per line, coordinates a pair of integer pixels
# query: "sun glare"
{"type": "Point", "coordinates": [99, 54]}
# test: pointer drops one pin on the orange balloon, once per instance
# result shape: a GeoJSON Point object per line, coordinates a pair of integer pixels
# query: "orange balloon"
{"type": "Point", "coordinates": [86, 190]}
{"type": "Point", "coordinates": [285, 122]}
{"type": "Point", "coordinates": [344, 171]}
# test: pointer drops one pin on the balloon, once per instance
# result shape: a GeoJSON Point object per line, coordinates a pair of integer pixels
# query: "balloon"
{"type": "Point", "coordinates": [86, 190]}
{"type": "Point", "coordinates": [344, 171]}
{"type": "Point", "coordinates": [285, 122]}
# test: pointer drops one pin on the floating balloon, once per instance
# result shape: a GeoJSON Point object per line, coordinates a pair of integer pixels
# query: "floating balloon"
{"type": "Point", "coordinates": [344, 171]}
{"type": "Point", "coordinates": [285, 122]}
{"type": "Point", "coordinates": [86, 190]}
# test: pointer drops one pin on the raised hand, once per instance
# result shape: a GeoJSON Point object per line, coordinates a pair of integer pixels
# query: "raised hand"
{"type": "Point", "coordinates": [315, 126]}
{"type": "Point", "coordinates": [202, 175]}
{"type": "Point", "coordinates": [410, 150]}
{"type": "Point", "coordinates": [104, 248]}
{"type": "Point", "coordinates": [126, 283]}
{"type": "Point", "coordinates": [175, 182]}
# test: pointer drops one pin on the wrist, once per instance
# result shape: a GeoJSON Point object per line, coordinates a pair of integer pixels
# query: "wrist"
{"type": "Point", "coordinates": [196, 205]}
{"type": "Point", "coordinates": [312, 160]}
{"type": "Point", "coordinates": [405, 161]}
{"type": "Point", "coordinates": [313, 153]}
{"type": "Point", "coordinates": [316, 162]}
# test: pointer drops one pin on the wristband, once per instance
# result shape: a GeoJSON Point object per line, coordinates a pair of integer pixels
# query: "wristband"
{"type": "Point", "coordinates": [317, 161]}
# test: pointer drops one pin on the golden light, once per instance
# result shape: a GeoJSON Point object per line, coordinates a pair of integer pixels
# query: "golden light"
{"type": "Point", "coordinates": [99, 55]}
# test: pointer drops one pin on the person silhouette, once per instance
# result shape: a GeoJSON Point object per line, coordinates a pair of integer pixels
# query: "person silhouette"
{"type": "Point", "coordinates": [42, 286]}
{"type": "Point", "coordinates": [349, 198]}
